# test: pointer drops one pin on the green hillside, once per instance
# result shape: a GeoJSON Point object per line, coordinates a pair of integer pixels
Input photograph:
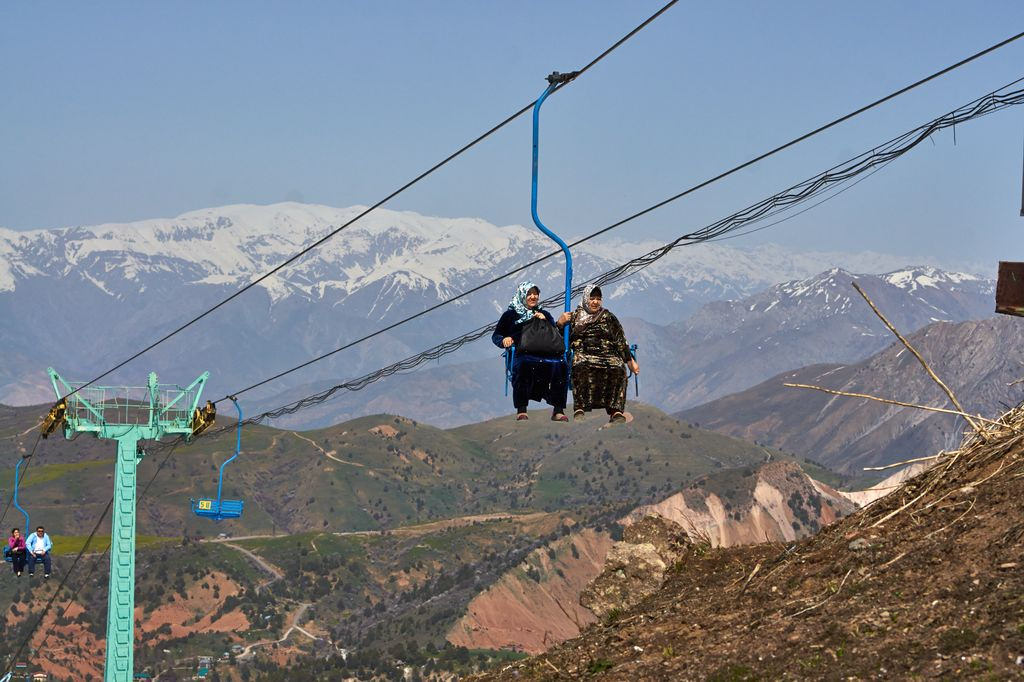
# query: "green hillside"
{"type": "Point", "coordinates": [383, 529]}
{"type": "Point", "coordinates": [375, 472]}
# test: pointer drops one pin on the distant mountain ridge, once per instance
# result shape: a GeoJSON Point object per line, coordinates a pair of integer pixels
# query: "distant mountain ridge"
{"type": "Point", "coordinates": [728, 346]}
{"type": "Point", "coordinates": [233, 244]}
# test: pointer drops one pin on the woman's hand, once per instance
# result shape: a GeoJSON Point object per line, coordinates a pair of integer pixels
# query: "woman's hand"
{"type": "Point", "coordinates": [540, 315]}
{"type": "Point", "coordinates": [506, 342]}
{"type": "Point", "coordinates": [634, 367]}
{"type": "Point", "coordinates": [563, 319]}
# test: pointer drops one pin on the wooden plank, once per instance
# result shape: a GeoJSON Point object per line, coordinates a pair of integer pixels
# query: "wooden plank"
{"type": "Point", "coordinates": [1010, 289]}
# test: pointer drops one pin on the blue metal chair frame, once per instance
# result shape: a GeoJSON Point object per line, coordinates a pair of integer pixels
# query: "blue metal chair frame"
{"type": "Point", "coordinates": [220, 508]}
{"type": "Point", "coordinates": [510, 357]}
{"type": "Point", "coordinates": [14, 500]}
{"type": "Point", "coordinates": [554, 80]}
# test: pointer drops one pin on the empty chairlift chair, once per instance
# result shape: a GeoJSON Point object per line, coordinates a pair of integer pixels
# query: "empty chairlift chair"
{"type": "Point", "coordinates": [219, 508]}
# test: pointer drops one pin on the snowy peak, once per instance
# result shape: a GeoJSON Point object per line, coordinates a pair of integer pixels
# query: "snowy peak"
{"type": "Point", "coordinates": [234, 244]}
{"type": "Point", "coordinates": [911, 279]}
{"type": "Point", "coordinates": [830, 292]}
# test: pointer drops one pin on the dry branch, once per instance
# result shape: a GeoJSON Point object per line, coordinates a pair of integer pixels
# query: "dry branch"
{"type": "Point", "coordinates": [906, 461]}
{"type": "Point", "coordinates": [951, 523]}
{"type": "Point", "coordinates": [906, 344]}
{"type": "Point", "coordinates": [894, 512]}
{"type": "Point", "coordinates": [552, 666]}
{"type": "Point", "coordinates": [750, 577]}
{"type": "Point", "coordinates": [890, 562]}
{"type": "Point", "coordinates": [573, 617]}
{"type": "Point", "coordinates": [944, 410]}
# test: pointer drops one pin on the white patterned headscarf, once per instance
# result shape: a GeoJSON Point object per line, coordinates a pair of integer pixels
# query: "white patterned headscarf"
{"type": "Point", "coordinates": [518, 303]}
{"type": "Point", "coordinates": [583, 314]}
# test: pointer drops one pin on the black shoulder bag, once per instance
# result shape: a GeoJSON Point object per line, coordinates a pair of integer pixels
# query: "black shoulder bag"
{"type": "Point", "coordinates": [541, 338]}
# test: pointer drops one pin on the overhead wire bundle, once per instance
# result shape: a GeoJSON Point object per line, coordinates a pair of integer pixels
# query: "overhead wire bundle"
{"type": "Point", "coordinates": [785, 200]}
{"type": "Point", "coordinates": [443, 162]}
{"type": "Point", "coordinates": [570, 78]}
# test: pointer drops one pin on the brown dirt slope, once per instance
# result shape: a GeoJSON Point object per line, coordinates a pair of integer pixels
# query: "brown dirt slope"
{"type": "Point", "coordinates": [536, 604]}
{"type": "Point", "coordinates": [928, 582]}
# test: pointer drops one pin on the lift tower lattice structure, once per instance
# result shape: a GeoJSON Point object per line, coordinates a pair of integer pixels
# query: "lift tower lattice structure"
{"type": "Point", "coordinates": [128, 415]}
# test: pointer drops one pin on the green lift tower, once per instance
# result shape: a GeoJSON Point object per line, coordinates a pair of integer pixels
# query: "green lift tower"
{"type": "Point", "coordinates": [128, 415]}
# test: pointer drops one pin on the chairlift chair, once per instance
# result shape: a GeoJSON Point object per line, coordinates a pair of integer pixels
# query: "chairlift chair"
{"type": "Point", "coordinates": [555, 80]}
{"type": "Point", "coordinates": [219, 509]}
{"type": "Point", "coordinates": [14, 500]}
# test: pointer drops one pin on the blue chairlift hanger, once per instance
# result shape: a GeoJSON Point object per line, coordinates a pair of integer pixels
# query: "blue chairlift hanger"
{"type": "Point", "coordinates": [220, 508]}
{"type": "Point", "coordinates": [14, 500]}
{"type": "Point", "coordinates": [554, 81]}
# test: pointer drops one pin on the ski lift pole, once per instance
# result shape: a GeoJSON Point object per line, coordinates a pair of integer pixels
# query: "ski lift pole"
{"type": "Point", "coordinates": [636, 377]}
{"type": "Point", "coordinates": [17, 471]}
{"type": "Point", "coordinates": [510, 357]}
{"type": "Point", "coordinates": [118, 413]}
{"type": "Point", "coordinates": [554, 81]}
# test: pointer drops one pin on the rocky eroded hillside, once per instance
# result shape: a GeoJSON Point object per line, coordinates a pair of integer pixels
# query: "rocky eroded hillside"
{"type": "Point", "coordinates": [925, 583]}
{"type": "Point", "coordinates": [537, 604]}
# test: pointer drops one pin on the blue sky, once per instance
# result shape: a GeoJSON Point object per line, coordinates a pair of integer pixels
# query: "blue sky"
{"type": "Point", "coordinates": [124, 111]}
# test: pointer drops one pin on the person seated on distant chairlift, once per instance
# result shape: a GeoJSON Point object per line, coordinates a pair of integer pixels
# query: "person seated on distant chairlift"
{"type": "Point", "coordinates": [539, 374]}
{"type": "Point", "coordinates": [600, 358]}
{"type": "Point", "coordinates": [16, 549]}
{"type": "Point", "coordinates": [39, 546]}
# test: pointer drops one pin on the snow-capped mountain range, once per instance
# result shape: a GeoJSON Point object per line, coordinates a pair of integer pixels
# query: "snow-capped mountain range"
{"type": "Point", "coordinates": [232, 245]}
{"type": "Point", "coordinates": [83, 298]}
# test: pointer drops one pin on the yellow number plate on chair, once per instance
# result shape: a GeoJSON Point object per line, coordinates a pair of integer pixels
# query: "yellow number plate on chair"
{"type": "Point", "coordinates": [206, 504]}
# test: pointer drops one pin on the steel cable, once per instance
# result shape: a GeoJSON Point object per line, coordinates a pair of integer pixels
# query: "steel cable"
{"type": "Point", "coordinates": [381, 202]}
{"type": "Point", "coordinates": [796, 194]}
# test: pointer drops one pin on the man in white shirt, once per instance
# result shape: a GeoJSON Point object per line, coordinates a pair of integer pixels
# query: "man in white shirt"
{"type": "Point", "coordinates": [39, 546]}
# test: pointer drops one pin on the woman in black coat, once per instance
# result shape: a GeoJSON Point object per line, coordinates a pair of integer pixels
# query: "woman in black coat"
{"type": "Point", "coordinates": [534, 377]}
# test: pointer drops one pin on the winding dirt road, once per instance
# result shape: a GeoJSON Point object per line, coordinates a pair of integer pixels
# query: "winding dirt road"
{"type": "Point", "coordinates": [296, 617]}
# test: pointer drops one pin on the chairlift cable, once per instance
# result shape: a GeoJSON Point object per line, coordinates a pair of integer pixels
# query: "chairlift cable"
{"type": "Point", "coordinates": [454, 344]}
{"type": "Point", "coordinates": [982, 106]}
{"type": "Point", "coordinates": [890, 151]}
{"type": "Point", "coordinates": [1022, 183]}
{"type": "Point", "coordinates": [885, 154]}
{"type": "Point", "coordinates": [378, 204]}
{"type": "Point", "coordinates": [516, 115]}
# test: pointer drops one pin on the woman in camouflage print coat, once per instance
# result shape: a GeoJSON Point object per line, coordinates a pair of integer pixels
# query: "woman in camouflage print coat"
{"type": "Point", "coordinates": [600, 357]}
